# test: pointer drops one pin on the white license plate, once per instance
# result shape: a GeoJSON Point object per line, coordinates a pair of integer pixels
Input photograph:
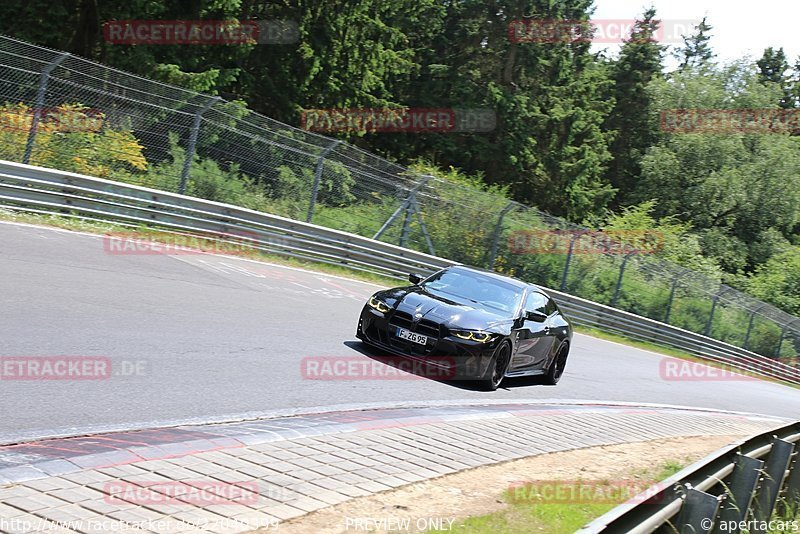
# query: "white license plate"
{"type": "Point", "coordinates": [408, 335]}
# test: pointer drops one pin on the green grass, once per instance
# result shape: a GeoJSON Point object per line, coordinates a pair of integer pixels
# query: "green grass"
{"type": "Point", "coordinates": [525, 517]}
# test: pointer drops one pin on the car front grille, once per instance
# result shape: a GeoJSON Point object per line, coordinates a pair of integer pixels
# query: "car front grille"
{"type": "Point", "coordinates": [425, 327]}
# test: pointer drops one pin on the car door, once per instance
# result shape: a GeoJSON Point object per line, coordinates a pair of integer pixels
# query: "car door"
{"type": "Point", "coordinates": [534, 339]}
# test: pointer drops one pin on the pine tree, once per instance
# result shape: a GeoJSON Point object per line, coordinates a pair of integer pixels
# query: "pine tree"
{"type": "Point", "coordinates": [696, 51]}
{"type": "Point", "coordinates": [773, 68]}
{"type": "Point", "coordinates": [640, 60]}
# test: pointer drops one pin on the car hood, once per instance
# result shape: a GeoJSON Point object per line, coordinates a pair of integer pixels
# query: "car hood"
{"type": "Point", "coordinates": [451, 311]}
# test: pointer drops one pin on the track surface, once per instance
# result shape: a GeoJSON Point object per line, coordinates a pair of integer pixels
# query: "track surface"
{"type": "Point", "coordinates": [217, 337]}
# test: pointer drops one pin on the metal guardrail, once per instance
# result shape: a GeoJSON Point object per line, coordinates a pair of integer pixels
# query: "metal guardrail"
{"type": "Point", "coordinates": [745, 482]}
{"type": "Point", "coordinates": [40, 190]}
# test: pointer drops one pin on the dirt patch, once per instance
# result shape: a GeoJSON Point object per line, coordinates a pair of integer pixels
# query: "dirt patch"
{"type": "Point", "coordinates": [478, 491]}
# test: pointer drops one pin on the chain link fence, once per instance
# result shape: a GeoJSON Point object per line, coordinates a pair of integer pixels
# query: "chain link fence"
{"type": "Point", "coordinates": [62, 111]}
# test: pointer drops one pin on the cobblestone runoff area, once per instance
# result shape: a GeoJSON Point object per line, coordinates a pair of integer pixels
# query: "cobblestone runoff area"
{"type": "Point", "coordinates": [237, 477]}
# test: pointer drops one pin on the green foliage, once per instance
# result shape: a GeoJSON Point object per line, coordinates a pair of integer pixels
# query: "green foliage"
{"type": "Point", "coordinates": [577, 134]}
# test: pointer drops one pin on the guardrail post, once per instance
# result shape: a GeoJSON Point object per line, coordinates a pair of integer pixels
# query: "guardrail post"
{"type": "Point", "coordinates": [621, 274]}
{"type": "Point", "coordinates": [192, 144]}
{"type": "Point", "coordinates": [498, 230]}
{"type": "Point", "coordinates": [567, 262]}
{"type": "Point", "coordinates": [775, 470]}
{"type": "Point", "coordinates": [792, 503]}
{"type": "Point", "coordinates": [318, 179]}
{"type": "Point", "coordinates": [44, 77]}
{"type": "Point", "coordinates": [698, 507]}
{"type": "Point", "coordinates": [740, 491]}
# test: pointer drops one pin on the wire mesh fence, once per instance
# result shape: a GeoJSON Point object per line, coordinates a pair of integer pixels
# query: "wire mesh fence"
{"type": "Point", "coordinates": [62, 111]}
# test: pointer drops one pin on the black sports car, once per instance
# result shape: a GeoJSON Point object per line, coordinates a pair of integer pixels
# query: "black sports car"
{"type": "Point", "coordinates": [482, 325]}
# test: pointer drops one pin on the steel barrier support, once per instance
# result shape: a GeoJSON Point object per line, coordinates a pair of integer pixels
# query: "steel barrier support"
{"type": "Point", "coordinates": [698, 507]}
{"type": "Point", "coordinates": [774, 471]}
{"type": "Point", "coordinates": [740, 492]}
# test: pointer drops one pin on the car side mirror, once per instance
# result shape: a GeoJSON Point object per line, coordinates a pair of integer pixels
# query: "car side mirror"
{"type": "Point", "coordinates": [415, 278]}
{"type": "Point", "coordinates": [535, 316]}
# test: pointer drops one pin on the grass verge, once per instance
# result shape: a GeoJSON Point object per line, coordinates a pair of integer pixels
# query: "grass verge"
{"type": "Point", "coordinates": [552, 518]}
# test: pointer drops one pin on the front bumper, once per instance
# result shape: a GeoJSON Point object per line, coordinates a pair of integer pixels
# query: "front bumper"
{"type": "Point", "coordinates": [454, 358]}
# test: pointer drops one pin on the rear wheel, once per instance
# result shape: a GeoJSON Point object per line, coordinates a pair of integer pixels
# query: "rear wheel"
{"type": "Point", "coordinates": [557, 367]}
{"type": "Point", "coordinates": [497, 368]}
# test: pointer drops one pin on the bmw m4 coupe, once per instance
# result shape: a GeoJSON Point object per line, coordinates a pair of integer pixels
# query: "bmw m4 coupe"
{"type": "Point", "coordinates": [480, 325]}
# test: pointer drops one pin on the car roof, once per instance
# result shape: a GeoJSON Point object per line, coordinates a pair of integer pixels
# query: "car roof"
{"type": "Point", "coordinates": [497, 276]}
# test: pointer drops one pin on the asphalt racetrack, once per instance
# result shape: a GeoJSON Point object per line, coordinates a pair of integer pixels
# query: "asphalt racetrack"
{"type": "Point", "coordinates": [198, 337]}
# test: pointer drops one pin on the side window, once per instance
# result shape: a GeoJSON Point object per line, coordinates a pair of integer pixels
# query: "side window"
{"type": "Point", "coordinates": [551, 307]}
{"type": "Point", "coordinates": [536, 302]}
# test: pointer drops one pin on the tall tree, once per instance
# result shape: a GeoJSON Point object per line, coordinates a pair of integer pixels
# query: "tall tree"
{"type": "Point", "coordinates": [773, 68]}
{"type": "Point", "coordinates": [696, 51]}
{"type": "Point", "coordinates": [634, 130]}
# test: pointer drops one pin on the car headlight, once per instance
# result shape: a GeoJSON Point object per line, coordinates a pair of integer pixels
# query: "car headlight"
{"type": "Point", "coordinates": [378, 305]}
{"type": "Point", "coordinates": [480, 337]}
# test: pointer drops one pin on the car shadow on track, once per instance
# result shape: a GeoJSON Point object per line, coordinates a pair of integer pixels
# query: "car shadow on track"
{"type": "Point", "coordinates": [403, 368]}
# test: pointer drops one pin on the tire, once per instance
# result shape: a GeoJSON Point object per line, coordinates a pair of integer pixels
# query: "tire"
{"type": "Point", "coordinates": [557, 366]}
{"type": "Point", "coordinates": [497, 368]}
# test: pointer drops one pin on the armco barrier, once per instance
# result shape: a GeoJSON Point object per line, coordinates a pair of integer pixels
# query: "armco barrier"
{"type": "Point", "coordinates": [742, 484]}
{"type": "Point", "coordinates": [40, 190]}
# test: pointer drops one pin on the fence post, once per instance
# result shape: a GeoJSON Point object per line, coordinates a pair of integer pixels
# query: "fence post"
{"type": "Point", "coordinates": [750, 326]}
{"type": "Point", "coordinates": [621, 274]}
{"type": "Point", "coordinates": [410, 206]}
{"type": "Point", "coordinates": [672, 296]}
{"type": "Point", "coordinates": [497, 231]}
{"type": "Point", "coordinates": [37, 109]}
{"type": "Point", "coordinates": [318, 178]}
{"type": "Point", "coordinates": [567, 262]}
{"type": "Point", "coordinates": [192, 144]}
{"type": "Point", "coordinates": [710, 321]}
{"type": "Point", "coordinates": [783, 336]}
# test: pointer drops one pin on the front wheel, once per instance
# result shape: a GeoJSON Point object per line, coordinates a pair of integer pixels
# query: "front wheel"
{"type": "Point", "coordinates": [497, 368]}
{"type": "Point", "coordinates": [557, 367]}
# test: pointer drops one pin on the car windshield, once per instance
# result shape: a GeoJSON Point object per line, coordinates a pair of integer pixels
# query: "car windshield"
{"type": "Point", "coordinates": [475, 287]}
